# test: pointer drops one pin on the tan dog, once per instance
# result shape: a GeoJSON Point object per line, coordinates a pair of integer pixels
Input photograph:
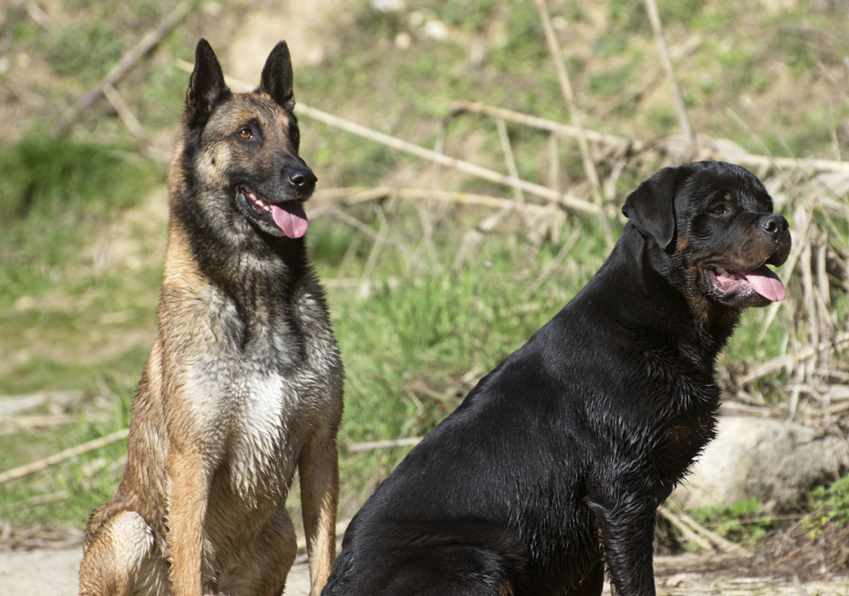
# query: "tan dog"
{"type": "Point", "coordinates": [244, 381]}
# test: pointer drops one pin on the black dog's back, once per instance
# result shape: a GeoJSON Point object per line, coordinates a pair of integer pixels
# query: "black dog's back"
{"type": "Point", "coordinates": [565, 450]}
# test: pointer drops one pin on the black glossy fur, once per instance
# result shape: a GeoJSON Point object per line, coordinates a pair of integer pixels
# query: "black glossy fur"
{"type": "Point", "coordinates": [552, 468]}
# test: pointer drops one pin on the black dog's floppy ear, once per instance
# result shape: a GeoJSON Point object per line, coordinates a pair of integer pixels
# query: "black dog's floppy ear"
{"type": "Point", "coordinates": [651, 208]}
{"type": "Point", "coordinates": [205, 86]}
{"type": "Point", "coordinates": [277, 79]}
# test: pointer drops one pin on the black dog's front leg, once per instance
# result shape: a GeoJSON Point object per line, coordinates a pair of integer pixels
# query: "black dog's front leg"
{"type": "Point", "coordinates": [626, 525]}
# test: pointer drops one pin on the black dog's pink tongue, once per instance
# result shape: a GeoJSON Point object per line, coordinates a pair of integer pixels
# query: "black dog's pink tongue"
{"type": "Point", "coordinates": [766, 283]}
{"type": "Point", "coordinates": [291, 218]}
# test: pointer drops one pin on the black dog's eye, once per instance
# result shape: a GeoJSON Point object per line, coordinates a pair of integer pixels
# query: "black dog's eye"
{"type": "Point", "coordinates": [246, 134]}
{"type": "Point", "coordinates": [719, 209]}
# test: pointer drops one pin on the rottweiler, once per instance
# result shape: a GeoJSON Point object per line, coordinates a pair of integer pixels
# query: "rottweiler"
{"type": "Point", "coordinates": [552, 468]}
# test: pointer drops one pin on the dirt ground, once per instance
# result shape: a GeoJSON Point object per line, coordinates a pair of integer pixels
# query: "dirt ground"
{"type": "Point", "coordinates": [53, 572]}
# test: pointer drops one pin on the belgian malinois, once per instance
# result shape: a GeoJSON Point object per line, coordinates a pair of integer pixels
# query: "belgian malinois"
{"type": "Point", "coordinates": [244, 381]}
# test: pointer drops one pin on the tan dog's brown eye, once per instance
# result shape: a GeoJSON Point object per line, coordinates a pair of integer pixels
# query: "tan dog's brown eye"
{"type": "Point", "coordinates": [246, 134]}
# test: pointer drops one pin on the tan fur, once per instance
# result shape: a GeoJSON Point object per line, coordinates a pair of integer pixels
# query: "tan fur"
{"type": "Point", "coordinates": [216, 434]}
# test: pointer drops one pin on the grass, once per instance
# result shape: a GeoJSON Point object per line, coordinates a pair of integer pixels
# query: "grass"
{"type": "Point", "coordinates": [55, 195]}
{"type": "Point", "coordinates": [423, 334]}
{"type": "Point", "coordinates": [829, 504]}
{"type": "Point", "coordinates": [742, 522]}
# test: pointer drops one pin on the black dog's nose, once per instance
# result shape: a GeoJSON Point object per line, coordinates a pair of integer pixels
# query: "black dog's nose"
{"type": "Point", "coordinates": [774, 224]}
{"type": "Point", "coordinates": [302, 178]}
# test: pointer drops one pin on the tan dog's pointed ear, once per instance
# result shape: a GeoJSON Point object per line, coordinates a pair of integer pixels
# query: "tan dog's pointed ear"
{"type": "Point", "coordinates": [277, 78]}
{"type": "Point", "coordinates": [651, 208]}
{"type": "Point", "coordinates": [206, 85]}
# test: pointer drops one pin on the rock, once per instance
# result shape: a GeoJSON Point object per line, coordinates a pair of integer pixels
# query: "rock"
{"type": "Point", "coordinates": [767, 459]}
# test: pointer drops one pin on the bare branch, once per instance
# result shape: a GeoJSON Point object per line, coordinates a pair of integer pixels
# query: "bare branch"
{"type": "Point", "coordinates": [680, 108]}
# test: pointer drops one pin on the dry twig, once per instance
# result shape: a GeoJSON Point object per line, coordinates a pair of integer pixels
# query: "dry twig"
{"type": "Point", "coordinates": [684, 529]}
{"type": "Point", "coordinates": [568, 94]}
{"type": "Point", "coordinates": [721, 543]}
{"type": "Point", "coordinates": [124, 112]}
{"type": "Point", "coordinates": [680, 108]}
{"type": "Point", "coordinates": [637, 146]}
{"type": "Point", "coordinates": [353, 196]}
{"type": "Point", "coordinates": [511, 165]}
{"type": "Point", "coordinates": [127, 62]}
{"type": "Point", "coordinates": [43, 464]}
{"type": "Point", "coordinates": [372, 445]}
{"type": "Point", "coordinates": [791, 360]}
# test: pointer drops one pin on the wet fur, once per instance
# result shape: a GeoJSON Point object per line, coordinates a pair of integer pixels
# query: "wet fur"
{"type": "Point", "coordinates": [552, 468]}
{"type": "Point", "coordinates": [244, 381]}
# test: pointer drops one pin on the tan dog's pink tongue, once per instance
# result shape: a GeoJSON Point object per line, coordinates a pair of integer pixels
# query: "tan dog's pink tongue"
{"type": "Point", "coordinates": [291, 218]}
{"type": "Point", "coordinates": [766, 283]}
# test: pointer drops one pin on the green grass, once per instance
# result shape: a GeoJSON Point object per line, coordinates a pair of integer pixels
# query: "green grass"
{"type": "Point", "coordinates": [829, 504]}
{"type": "Point", "coordinates": [409, 344]}
{"type": "Point", "coordinates": [55, 194]}
{"type": "Point", "coordinates": [742, 522]}
{"type": "Point", "coordinates": [80, 51]}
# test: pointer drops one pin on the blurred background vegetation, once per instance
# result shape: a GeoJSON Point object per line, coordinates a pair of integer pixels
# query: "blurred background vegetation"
{"type": "Point", "coordinates": [426, 293]}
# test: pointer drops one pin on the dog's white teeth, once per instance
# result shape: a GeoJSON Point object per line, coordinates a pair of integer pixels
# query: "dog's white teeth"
{"type": "Point", "coordinates": [259, 203]}
{"type": "Point", "coordinates": [721, 271]}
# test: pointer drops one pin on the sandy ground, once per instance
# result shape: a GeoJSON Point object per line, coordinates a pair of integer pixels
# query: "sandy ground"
{"type": "Point", "coordinates": [54, 573]}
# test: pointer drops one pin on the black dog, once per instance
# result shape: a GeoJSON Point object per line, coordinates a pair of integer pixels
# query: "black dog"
{"type": "Point", "coordinates": [554, 465]}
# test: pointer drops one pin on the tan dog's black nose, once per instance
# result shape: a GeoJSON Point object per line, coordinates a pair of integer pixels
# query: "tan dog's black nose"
{"type": "Point", "coordinates": [303, 179]}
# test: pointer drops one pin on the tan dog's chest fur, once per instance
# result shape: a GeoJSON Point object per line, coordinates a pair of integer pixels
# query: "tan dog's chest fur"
{"type": "Point", "coordinates": [242, 386]}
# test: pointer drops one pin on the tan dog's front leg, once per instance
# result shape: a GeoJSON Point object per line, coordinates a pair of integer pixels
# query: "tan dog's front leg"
{"type": "Point", "coordinates": [188, 497]}
{"type": "Point", "coordinates": [319, 472]}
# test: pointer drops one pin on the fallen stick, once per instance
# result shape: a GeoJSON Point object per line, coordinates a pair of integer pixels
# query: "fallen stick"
{"type": "Point", "coordinates": [723, 544]}
{"type": "Point", "coordinates": [680, 108]}
{"type": "Point", "coordinates": [353, 196]}
{"type": "Point", "coordinates": [839, 408]}
{"type": "Point", "coordinates": [11, 405]}
{"type": "Point", "coordinates": [124, 112]}
{"type": "Point", "coordinates": [569, 96]}
{"type": "Point", "coordinates": [31, 421]}
{"type": "Point", "coordinates": [371, 446]}
{"type": "Point", "coordinates": [33, 501]}
{"type": "Point", "coordinates": [636, 146]}
{"type": "Point", "coordinates": [510, 162]}
{"type": "Point", "coordinates": [43, 464]}
{"type": "Point", "coordinates": [124, 65]}
{"type": "Point", "coordinates": [776, 364]}
{"type": "Point", "coordinates": [561, 129]}
{"type": "Point", "coordinates": [684, 529]}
